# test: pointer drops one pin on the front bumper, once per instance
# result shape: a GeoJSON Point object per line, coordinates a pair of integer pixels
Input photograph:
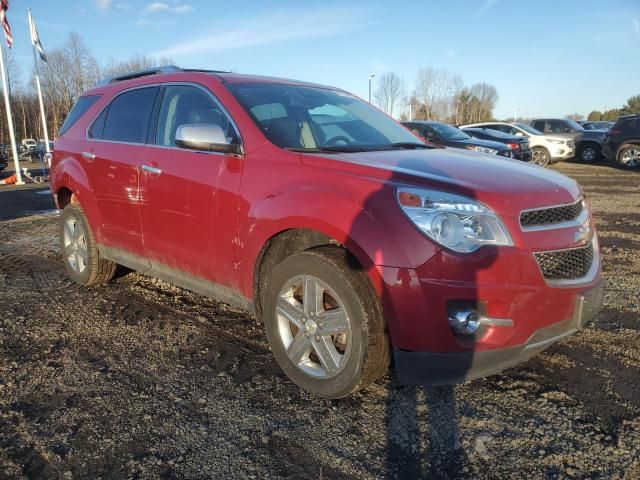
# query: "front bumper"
{"type": "Point", "coordinates": [562, 152]}
{"type": "Point", "coordinates": [427, 368]}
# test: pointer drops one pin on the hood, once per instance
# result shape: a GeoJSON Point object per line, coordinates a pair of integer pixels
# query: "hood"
{"type": "Point", "coordinates": [507, 186]}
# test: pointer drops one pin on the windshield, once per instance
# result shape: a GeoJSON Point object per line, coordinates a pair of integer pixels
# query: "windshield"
{"type": "Point", "coordinates": [303, 118]}
{"type": "Point", "coordinates": [574, 124]}
{"type": "Point", "coordinates": [449, 132]}
{"type": "Point", "coordinates": [528, 129]}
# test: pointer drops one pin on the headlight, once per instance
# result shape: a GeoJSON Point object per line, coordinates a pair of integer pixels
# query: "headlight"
{"type": "Point", "coordinates": [557, 142]}
{"type": "Point", "coordinates": [482, 149]}
{"type": "Point", "coordinates": [455, 222]}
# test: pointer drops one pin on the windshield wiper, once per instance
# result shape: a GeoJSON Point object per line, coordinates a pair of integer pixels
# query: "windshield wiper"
{"type": "Point", "coordinates": [361, 148]}
{"type": "Point", "coordinates": [407, 145]}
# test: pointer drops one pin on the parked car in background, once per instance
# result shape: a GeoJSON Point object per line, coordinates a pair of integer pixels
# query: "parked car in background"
{"type": "Point", "coordinates": [545, 148]}
{"type": "Point", "coordinates": [443, 135]}
{"type": "Point", "coordinates": [520, 148]}
{"type": "Point", "coordinates": [350, 238]}
{"type": "Point", "coordinates": [4, 160]}
{"type": "Point", "coordinates": [588, 143]}
{"type": "Point", "coordinates": [622, 141]}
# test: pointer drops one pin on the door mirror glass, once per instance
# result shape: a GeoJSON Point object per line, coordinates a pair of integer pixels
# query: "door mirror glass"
{"type": "Point", "coordinates": [210, 138]}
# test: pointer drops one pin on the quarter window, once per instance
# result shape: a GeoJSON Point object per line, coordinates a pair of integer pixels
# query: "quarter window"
{"type": "Point", "coordinates": [82, 105]}
{"type": "Point", "coordinates": [128, 116]}
{"type": "Point", "coordinates": [186, 105]}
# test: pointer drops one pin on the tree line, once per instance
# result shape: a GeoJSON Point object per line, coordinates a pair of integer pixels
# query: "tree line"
{"type": "Point", "coordinates": [632, 107]}
{"type": "Point", "coordinates": [438, 95]}
{"type": "Point", "coordinates": [71, 69]}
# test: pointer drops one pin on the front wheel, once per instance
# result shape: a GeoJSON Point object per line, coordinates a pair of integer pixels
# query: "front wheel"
{"type": "Point", "coordinates": [325, 324]}
{"type": "Point", "coordinates": [629, 156]}
{"type": "Point", "coordinates": [540, 156]}
{"type": "Point", "coordinates": [589, 153]}
{"type": "Point", "coordinates": [80, 253]}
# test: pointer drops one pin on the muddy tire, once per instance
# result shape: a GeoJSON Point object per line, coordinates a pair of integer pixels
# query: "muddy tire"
{"type": "Point", "coordinates": [540, 156]}
{"type": "Point", "coordinates": [80, 253]}
{"type": "Point", "coordinates": [325, 323]}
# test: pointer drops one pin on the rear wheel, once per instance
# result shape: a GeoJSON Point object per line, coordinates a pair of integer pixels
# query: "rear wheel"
{"type": "Point", "coordinates": [540, 156]}
{"type": "Point", "coordinates": [80, 253]}
{"type": "Point", "coordinates": [629, 156]}
{"type": "Point", "coordinates": [325, 324]}
{"type": "Point", "coordinates": [589, 153]}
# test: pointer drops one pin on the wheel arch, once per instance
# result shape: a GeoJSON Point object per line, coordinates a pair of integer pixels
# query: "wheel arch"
{"type": "Point", "coordinates": [289, 242]}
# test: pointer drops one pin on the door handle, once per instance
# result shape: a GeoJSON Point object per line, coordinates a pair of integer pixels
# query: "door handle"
{"type": "Point", "coordinates": [88, 155]}
{"type": "Point", "coordinates": [150, 169]}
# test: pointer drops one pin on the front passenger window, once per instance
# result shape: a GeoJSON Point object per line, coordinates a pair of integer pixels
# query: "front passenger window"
{"type": "Point", "coordinates": [187, 105]}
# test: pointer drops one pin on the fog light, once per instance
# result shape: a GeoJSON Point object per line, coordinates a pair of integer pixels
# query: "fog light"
{"type": "Point", "coordinates": [464, 321]}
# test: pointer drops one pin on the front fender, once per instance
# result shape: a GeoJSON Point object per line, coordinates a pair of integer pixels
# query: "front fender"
{"type": "Point", "coordinates": [366, 220]}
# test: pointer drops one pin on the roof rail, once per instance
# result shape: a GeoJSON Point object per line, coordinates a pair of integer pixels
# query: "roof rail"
{"type": "Point", "coordinates": [140, 73]}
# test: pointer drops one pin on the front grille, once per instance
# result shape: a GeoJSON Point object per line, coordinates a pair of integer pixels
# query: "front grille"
{"type": "Point", "coordinates": [549, 216]}
{"type": "Point", "coordinates": [566, 264]}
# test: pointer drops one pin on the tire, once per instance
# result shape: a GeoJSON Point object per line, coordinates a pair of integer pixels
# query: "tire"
{"type": "Point", "coordinates": [629, 155]}
{"type": "Point", "coordinates": [80, 253]}
{"type": "Point", "coordinates": [355, 344]}
{"type": "Point", "coordinates": [589, 153]}
{"type": "Point", "coordinates": [540, 156]}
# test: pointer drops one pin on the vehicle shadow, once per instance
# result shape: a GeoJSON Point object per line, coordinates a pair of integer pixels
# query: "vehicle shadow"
{"type": "Point", "coordinates": [421, 421]}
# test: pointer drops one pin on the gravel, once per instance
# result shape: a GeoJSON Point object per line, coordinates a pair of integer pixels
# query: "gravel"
{"type": "Point", "coordinates": [140, 379]}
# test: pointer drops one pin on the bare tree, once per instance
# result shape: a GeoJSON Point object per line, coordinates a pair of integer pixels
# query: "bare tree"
{"type": "Point", "coordinates": [436, 91]}
{"type": "Point", "coordinates": [390, 92]}
{"type": "Point", "coordinates": [136, 62]}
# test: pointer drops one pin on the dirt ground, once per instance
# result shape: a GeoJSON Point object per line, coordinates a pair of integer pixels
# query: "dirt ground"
{"type": "Point", "coordinates": [139, 379]}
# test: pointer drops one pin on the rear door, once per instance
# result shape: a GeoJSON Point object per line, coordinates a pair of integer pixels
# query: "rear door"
{"type": "Point", "coordinates": [190, 198]}
{"type": "Point", "coordinates": [116, 147]}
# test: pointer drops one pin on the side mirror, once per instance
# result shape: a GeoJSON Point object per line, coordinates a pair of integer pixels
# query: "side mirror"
{"type": "Point", "coordinates": [519, 134]}
{"type": "Point", "coordinates": [209, 138]}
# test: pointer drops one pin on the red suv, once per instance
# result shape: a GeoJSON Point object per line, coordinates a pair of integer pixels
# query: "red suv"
{"type": "Point", "coordinates": [350, 238]}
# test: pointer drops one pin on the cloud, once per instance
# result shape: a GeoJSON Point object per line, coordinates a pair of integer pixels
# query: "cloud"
{"type": "Point", "coordinates": [103, 5]}
{"type": "Point", "coordinates": [145, 22]}
{"type": "Point", "coordinates": [636, 26]}
{"type": "Point", "coordinates": [275, 27]}
{"type": "Point", "coordinates": [487, 5]}
{"type": "Point", "coordinates": [124, 7]}
{"type": "Point", "coordinates": [161, 7]}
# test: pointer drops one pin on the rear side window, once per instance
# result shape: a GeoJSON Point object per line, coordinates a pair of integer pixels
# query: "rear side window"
{"type": "Point", "coordinates": [127, 119]}
{"type": "Point", "coordinates": [82, 105]}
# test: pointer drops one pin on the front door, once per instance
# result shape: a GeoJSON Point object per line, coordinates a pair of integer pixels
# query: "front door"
{"type": "Point", "coordinates": [189, 198]}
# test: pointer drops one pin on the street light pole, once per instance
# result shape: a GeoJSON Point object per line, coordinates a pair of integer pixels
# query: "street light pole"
{"type": "Point", "coordinates": [515, 114]}
{"type": "Point", "coordinates": [370, 78]}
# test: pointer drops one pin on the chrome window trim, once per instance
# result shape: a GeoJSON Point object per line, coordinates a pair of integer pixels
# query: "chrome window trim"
{"type": "Point", "coordinates": [164, 84]}
{"type": "Point", "coordinates": [576, 222]}
{"type": "Point", "coordinates": [588, 278]}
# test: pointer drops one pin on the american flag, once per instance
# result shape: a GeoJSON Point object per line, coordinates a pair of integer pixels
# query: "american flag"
{"type": "Point", "coordinates": [4, 6]}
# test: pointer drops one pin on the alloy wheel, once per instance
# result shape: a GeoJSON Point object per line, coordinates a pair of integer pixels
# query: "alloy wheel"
{"type": "Point", "coordinates": [539, 157]}
{"type": "Point", "coordinates": [630, 157]}
{"type": "Point", "coordinates": [588, 154]}
{"type": "Point", "coordinates": [314, 326]}
{"type": "Point", "coordinates": [75, 245]}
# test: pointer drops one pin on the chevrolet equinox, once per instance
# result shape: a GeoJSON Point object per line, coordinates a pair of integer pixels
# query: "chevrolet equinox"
{"type": "Point", "coordinates": [352, 240]}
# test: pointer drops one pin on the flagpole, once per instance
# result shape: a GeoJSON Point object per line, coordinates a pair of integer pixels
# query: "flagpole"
{"type": "Point", "coordinates": [7, 104]}
{"type": "Point", "coordinates": [43, 115]}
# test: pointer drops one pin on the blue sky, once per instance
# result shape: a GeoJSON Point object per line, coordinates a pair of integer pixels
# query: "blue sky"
{"type": "Point", "coordinates": [545, 57]}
